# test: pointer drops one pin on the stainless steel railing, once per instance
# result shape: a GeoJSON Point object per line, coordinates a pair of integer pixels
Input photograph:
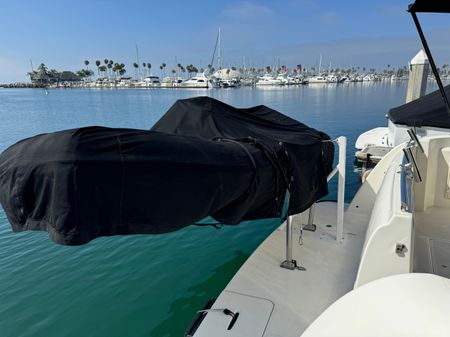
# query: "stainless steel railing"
{"type": "Point", "coordinates": [289, 262]}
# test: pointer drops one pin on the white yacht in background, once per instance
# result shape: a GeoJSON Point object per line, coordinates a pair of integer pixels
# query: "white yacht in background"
{"type": "Point", "coordinates": [227, 78]}
{"type": "Point", "coordinates": [332, 78]}
{"type": "Point", "coordinates": [283, 78]}
{"type": "Point", "coordinates": [171, 82]}
{"type": "Point", "coordinates": [370, 78]}
{"type": "Point", "coordinates": [379, 266]}
{"type": "Point", "coordinates": [151, 82]}
{"type": "Point", "coordinates": [124, 82]}
{"type": "Point", "coordinates": [199, 81]}
{"type": "Point", "coordinates": [268, 79]}
{"type": "Point", "coordinates": [318, 79]}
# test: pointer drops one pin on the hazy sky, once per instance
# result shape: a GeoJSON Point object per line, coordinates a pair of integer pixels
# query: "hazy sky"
{"type": "Point", "coordinates": [62, 33]}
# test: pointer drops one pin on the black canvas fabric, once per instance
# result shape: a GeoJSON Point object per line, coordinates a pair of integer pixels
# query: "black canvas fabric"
{"type": "Point", "coordinates": [84, 183]}
{"type": "Point", "coordinates": [430, 6]}
{"type": "Point", "coordinates": [428, 110]}
{"type": "Point", "coordinates": [309, 152]}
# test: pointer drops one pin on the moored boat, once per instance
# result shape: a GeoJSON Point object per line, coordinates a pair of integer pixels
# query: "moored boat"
{"type": "Point", "coordinates": [200, 81]}
{"type": "Point", "coordinates": [269, 80]}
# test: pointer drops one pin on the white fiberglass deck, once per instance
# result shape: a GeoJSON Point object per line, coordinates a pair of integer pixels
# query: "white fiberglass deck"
{"type": "Point", "coordinates": [277, 302]}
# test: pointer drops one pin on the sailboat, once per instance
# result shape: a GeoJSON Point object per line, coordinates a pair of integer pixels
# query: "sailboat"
{"type": "Point", "coordinates": [318, 78]}
{"type": "Point", "coordinates": [223, 77]}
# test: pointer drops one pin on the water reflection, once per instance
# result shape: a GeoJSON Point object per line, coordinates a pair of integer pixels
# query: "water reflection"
{"type": "Point", "coordinates": [183, 309]}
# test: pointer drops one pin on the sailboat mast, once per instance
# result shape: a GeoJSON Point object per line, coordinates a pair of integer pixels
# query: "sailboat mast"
{"type": "Point", "coordinates": [216, 48]}
{"type": "Point", "coordinates": [320, 63]}
{"type": "Point", "coordinates": [219, 55]}
{"type": "Point", "coordinates": [137, 58]}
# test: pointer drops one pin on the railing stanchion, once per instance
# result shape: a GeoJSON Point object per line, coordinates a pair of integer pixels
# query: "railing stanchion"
{"type": "Point", "coordinates": [342, 142]}
{"type": "Point", "coordinates": [289, 263]}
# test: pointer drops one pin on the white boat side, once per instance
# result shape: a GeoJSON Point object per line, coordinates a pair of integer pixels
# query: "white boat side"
{"type": "Point", "coordinates": [380, 241]}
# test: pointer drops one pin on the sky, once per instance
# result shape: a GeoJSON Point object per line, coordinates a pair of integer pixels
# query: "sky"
{"type": "Point", "coordinates": [62, 34]}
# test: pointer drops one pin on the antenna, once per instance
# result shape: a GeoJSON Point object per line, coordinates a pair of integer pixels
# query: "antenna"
{"type": "Point", "coordinates": [31, 63]}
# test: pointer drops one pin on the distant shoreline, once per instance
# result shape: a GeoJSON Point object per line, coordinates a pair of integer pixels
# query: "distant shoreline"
{"type": "Point", "coordinates": [20, 85]}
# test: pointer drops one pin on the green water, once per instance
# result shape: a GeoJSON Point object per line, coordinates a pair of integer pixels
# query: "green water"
{"type": "Point", "coordinates": [147, 285]}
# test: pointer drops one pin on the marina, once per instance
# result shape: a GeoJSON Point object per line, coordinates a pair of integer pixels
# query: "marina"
{"type": "Point", "coordinates": [222, 78]}
{"type": "Point", "coordinates": [107, 261]}
{"type": "Point", "coordinates": [230, 200]}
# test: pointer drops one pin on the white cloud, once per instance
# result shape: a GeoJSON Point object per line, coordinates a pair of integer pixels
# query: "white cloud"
{"type": "Point", "coordinates": [246, 10]}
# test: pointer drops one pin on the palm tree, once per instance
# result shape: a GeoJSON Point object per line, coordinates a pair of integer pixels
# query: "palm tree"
{"type": "Point", "coordinates": [42, 67]}
{"type": "Point", "coordinates": [109, 65]}
{"type": "Point", "coordinates": [53, 73]}
{"type": "Point", "coordinates": [149, 67]}
{"type": "Point", "coordinates": [188, 68]}
{"type": "Point", "coordinates": [161, 68]}
{"type": "Point", "coordinates": [102, 69]}
{"type": "Point", "coordinates": [115, 68]}
{"type": "Point", "coordinates": [182, 69]}
{"type": "Point", "coordinates": [86, 63]}
{"type": "Point", "coordinates": [119, 69]}
{"type": "Point", "coordinates": [136, 67]}
{"type": "Point", "coordinates": [97, 63]}
{"type": "Point", "coordinates": [84, 73]}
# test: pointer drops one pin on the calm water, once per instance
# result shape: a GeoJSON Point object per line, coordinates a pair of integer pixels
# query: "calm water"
{"type": "Point", "coordinates": [147, 285]}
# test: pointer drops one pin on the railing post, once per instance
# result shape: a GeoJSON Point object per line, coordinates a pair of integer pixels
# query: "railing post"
{"type": "Point", "coordinates": [342, 142]}
{"type": "Point", "coordinates": [310, 225]}
{"type": "Point", "coordinates": [289, 263]}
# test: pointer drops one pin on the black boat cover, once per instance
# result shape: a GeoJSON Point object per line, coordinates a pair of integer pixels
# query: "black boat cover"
{"type": "Point", "coordinates": [430, 6]}
{"type": "Point", "coordinates": [203, 158]}
{"type": "Point", "coordinates": [428, 110]}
